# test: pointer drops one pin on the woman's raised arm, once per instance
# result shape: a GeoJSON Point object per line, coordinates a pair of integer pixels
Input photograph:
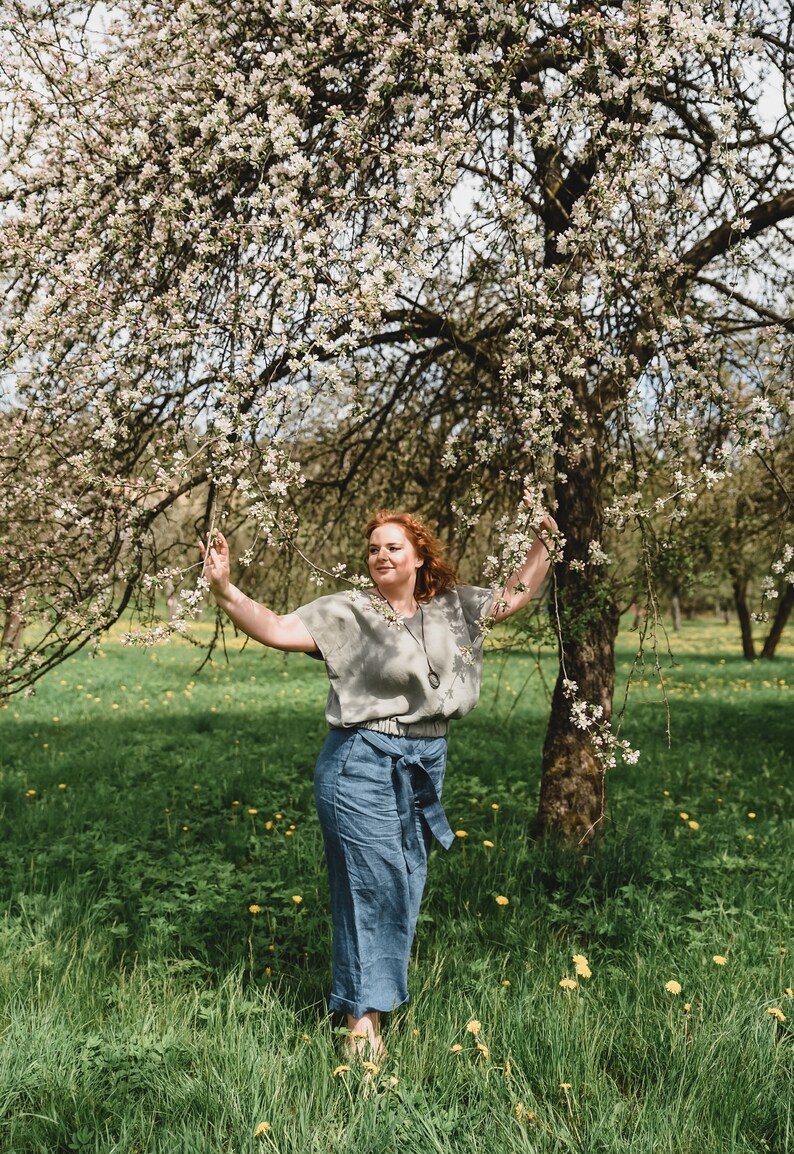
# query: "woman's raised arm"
{"type": "Point", "coordinates": [260, 623]}
{"type": "Point", "coordinates": [525, 582]}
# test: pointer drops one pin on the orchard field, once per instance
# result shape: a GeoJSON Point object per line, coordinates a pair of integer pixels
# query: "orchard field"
{"type": "Point", "coordinates": [165, 938]}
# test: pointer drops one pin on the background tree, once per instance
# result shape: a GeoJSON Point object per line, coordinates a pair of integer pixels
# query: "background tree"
{"type": "Point", "coordinates": [452, 252]}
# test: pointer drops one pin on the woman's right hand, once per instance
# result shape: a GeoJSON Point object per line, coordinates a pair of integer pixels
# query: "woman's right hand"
{"type": "Point", "coordinates": [217, 563]}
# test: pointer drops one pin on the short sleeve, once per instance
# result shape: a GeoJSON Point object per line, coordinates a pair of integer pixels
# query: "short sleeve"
{"type": "Point", "coordinates": [474, 603]}
{"type": "Point", "coordinates": [330, 622]}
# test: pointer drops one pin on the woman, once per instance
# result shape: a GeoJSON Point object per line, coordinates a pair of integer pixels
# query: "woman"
{"type": "Point", "coordinates": [403, 658]}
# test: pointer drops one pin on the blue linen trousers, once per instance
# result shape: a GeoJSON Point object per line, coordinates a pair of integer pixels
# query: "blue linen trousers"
{"type": "Point", "coordinates": [378, 800]}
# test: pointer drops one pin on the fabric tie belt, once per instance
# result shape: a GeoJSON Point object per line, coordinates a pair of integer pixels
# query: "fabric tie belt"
{"type": "Point", "coordinates": [413, 788]}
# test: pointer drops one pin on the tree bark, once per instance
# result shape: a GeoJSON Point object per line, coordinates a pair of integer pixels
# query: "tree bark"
{"type": "Point", "coordinates": [572, 792]}
{"type": "Point", "coordinates": [675, 609]}
{"type": "Point", "coordinates": [743, 613]}
{"type": "Point", "coordinates": [12, 626]}
{"type": "Point", "coordinates": [784, 607]}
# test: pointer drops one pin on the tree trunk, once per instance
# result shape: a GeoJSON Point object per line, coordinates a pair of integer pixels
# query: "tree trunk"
{"type": "Point", "coordinates": [743, 613]}
{"type": "Point", "coordinates": [572, 795]}
{"type": "Point", "coordinates": [784, 606]}
{"type": "Point", "coordinates": [12, 626]}
{"type": "Point", "coordinates": [675, 609]}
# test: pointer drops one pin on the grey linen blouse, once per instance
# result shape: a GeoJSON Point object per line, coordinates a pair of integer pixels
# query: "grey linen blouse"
{"type": "Point", "coordinates": [377, 665]}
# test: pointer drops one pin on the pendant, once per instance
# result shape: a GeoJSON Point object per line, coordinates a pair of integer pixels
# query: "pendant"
{"type": "Point", "coordinates": [433, 678]}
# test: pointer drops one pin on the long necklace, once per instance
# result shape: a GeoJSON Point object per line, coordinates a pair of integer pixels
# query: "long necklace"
{"type": "Point", "coordinates": [432, 676]}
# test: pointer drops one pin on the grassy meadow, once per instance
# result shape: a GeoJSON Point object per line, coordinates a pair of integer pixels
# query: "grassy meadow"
{"type": "Point", "coordinates": [164, 938]}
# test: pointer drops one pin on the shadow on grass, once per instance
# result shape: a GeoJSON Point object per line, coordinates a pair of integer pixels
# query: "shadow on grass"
{"type": "Point", "coordinates": [170, 828]}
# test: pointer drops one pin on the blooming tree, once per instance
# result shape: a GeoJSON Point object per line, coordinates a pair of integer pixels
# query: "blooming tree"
{"type": "Point", "coordinates": [259, 255]}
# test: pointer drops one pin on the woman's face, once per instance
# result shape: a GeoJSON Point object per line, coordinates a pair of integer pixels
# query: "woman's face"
{"type": "Point", "coordinates": [393, 560]}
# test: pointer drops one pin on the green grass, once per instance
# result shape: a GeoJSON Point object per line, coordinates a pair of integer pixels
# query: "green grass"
{"type": "Point", "coordinates": [143, 1007]}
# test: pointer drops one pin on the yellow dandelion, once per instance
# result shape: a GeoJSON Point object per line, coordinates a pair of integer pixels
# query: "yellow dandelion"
{"type": "Point", "coordinates": [789, 992]}
{"type": "Point", "coordinates": [565, 1086]}
{"type": "Point", "coordinates": [582, 966]}
{"type": "Point", "coordinates": [254, 909]}
{"type": "Point", "coordinates": [568, 984]}
{"type": "Point", "coordinates": [62, 785]}
{"type": "Point", "coordinates": [687, 1007]}
{"type": "Point", "coordinates": [666, 793]}
{"type": "Point", "coordinates": [777, 1014]}
{"type": "Point", "coordinates": [235, 803]}
{"type": "Point", "coordinates": [494, 806]}
{"type": "Point", "coordinates": [371, 1068]}
{"type": "Point", "coordinates": [268, 825]}
{"type": "Point", "coordinates": [693, 824]}
{"type": "Point", "coordinates": [252, 811]}
{"type": "Point", "coordinates": [752, 816]}
{"type": "Point", "coordinates": [474, 1027]}
{"type": "Point", "coordinates": [684, 816]}
{"type": "Point", "coordinates": [523, 1114]}
{"type": "Point", "coordinates": [483, 1050]}
{"type": "Point", "coordinates": [505, 982]}
{"type": "Point", "coordinates": [461, 833]}
{"type": "Point", "coordinates": [673, 987]}
{"type": "Point", "coordinates": [719, 960]}
{"type": "Point", "coordinates": [487, 843]}
{"type": "Point", "coordinates": [341, 1070]}
{"type": "Point", "coordinates": [279, 816]}
{"type": "Point", "coordinates": [501, 900]}
{"type": "Point", "coordinates": [297, 899]}
{"type": "Point", "coordinates": [262, 1128]}
{"type": "Point", "coordinates": [456, 1049]}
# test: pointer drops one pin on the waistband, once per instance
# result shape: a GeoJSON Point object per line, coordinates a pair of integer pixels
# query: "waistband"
{"type": "Point", "coordinates": [431, 727]}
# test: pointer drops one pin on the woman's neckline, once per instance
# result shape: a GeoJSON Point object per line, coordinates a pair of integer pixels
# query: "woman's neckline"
{"type": "Point", "coordinates": [405, 616]}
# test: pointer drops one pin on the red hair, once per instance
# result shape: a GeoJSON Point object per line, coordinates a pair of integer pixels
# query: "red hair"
{"type": "Point", "coordinates": [435, 575]}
